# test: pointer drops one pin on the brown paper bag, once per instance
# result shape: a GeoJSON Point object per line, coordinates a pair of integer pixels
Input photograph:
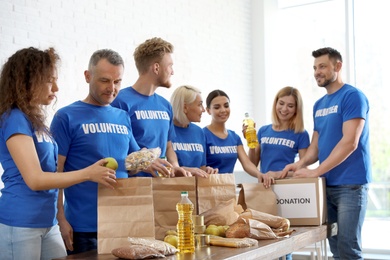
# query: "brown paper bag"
{"type": "Point", "coordinates": [166, 194]}
{"type": "Point", "coordinates": [215, 189]}
{"type": "Point", "coordinates": [124, 212]}
{"type": "Point", "coordinates": [256, 196]}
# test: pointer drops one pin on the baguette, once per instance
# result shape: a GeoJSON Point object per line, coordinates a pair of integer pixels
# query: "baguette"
{"type": "Point", "coordinates": [232, 242]}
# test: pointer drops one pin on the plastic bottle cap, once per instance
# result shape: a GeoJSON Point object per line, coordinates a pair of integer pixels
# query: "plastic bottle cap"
{"type": "Point", "coordinates": [184, 193]}
{"type": "Point", "coordinates": [247, 114]}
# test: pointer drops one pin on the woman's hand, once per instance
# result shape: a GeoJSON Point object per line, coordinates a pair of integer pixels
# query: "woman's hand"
{"type": "Point", "coordinates": [209, 170]}
{"type": "Point", "coordinates": [266, 179]}
{"type": "Point", "coordinates": [196, 172]}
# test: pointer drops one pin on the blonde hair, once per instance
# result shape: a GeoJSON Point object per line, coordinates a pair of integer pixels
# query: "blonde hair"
{"type": "Point", "coordinates": [183, 95]}
{"type": "Point", "coordinates": [296, 122]}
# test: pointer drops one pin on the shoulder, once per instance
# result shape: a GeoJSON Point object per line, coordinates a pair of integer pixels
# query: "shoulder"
{"type": "Point", "coordinates": [233, 134]}
{"type": "Point", "coordinates": [193, 126]}
{"type": "Point", "coordinates": [265, 127]}
{"type": "Point", "coordinates": [124, 94]}
{"type": "Point", "coordinates": [161, 99]}
{"type": "Point", "coordinates": [15, 115]}
{"type": "Point", "coordinates": [71, 107]}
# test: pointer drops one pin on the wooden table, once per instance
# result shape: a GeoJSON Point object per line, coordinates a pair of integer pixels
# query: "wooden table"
{"type": "Point", "coordinates": [266, 249]}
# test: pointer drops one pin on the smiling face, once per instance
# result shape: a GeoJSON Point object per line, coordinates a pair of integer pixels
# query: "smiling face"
{"type": "Point", "coordinates": [286, 108]}
{"type": "Point", "coordinates": [195, 109]}
{"type": "Point", "coordinates": [325, 70]}
{"type": "Point", "coordinates": [219, 109]}
{"type": "Point", "coordinates": [104, 82]}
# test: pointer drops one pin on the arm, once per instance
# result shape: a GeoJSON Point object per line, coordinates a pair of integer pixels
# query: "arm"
{"type": "Point", "coordinates": [172, 159]}
{"type": "Point", "coordinates": [250, 168]}
{"type": "Point", "coordinates": [65, 228]}
{"type": "Point", "coordinates": [254, 155]}
{"type": "Point", "coordinates": [310, 157]}
{"type": "Point", "coordinates": [352, 130]}
{"type": "Point", "coordinates": [22, 150]}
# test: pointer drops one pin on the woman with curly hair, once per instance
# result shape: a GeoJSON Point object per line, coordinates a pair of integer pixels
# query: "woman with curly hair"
{"type": "Point", "coordinates": [28, 154]}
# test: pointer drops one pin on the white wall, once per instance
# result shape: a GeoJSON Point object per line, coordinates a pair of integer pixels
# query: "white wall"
{"type": "Point", "coordinates": [212, 39]}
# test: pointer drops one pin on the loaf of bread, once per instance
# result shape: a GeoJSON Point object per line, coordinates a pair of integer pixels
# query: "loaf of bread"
{"type": "Point", "coordinates": [253, 228]}
{"type": "Point", "coordinates": [277, 223]}
{"type": "Point", "coordinates": [239, 229]}
{"type": "Point", "coordinates": [136, 252]}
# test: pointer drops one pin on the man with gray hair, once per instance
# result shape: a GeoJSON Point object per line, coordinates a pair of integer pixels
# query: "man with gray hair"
{"type": "Point", "coordinates": [86, 131]}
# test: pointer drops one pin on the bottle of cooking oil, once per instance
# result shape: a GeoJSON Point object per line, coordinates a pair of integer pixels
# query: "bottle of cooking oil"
{"type": "Point", "coordinates": [250, 133]}
{"type": "Point", "coordinates": [185, 226]}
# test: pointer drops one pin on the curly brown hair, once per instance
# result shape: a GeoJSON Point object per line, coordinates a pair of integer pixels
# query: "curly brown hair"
{"type": "Point", "coordinates": [21, 83]}
{"type": "Point", "coordinates": [151, 51]}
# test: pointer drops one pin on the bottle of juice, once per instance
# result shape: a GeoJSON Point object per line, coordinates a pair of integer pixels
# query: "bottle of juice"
{"type": "Point", "coordinates": [185, 226]}
{"type": "Point", "coordinates": [250, 133]}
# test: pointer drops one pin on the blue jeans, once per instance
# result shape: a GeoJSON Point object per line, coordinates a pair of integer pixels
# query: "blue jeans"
{"type": "Point", "coordinates": [347, 206]}
{"type": "Point", "coordinates": [31, 243]}
{"type": "Point", "coordinates": [83, 241]}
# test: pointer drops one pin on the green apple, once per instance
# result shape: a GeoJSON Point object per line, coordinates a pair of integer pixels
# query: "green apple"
{"type": "Point", "coordinates": [212, 230]}
{"type": "Point", "coordinates": [221, 230]}
{"type": "Point", "coordinates": [111, 163]}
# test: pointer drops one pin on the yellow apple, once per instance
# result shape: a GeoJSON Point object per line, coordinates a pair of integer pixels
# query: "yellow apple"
{"type": "Point", "coordinates": [221, 231]}
{"type": "Point", "coordinates": [171, 232]}
{"type": "Point", "coordinates": [171, 239]}
{"type": "Point", "coordinates": [213, 230]}
{"type": "Point", "coordinates": [111, 163]}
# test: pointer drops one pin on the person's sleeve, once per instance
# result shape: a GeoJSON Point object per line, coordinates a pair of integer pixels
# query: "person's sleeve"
{"type": "Point", "coordinates": [61, 133]}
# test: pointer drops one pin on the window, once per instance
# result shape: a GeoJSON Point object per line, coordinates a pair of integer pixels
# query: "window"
{"type": "Point", "coordinates": [355, 28]}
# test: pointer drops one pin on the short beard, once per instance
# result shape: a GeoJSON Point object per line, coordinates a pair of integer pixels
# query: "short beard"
{"type": "Point", "coordinates": [326, 83]}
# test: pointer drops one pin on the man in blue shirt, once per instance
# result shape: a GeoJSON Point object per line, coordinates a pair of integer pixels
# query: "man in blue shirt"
{"type": "Point", "coordinates": [340, 141]}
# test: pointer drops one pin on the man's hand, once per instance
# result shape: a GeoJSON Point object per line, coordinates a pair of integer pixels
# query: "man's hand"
{"type": "Point", "coordinates": [66, 233]}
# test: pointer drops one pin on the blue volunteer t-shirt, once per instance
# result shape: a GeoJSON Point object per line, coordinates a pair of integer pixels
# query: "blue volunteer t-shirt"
{"type": "Point", "coordinates": [86, 133]}
{"type": "Point", "coordinates": [279, 148]}
{"type": "Point", "coordinates": [151, 119]}
{"type": "Point", "coordinates": [222, 153]}
{"type": "Point", "coordinates": [19, 205]}
{"type": "Point", "coordinates": [330, 112]}
{"type": "Point", "coordinates": [190, 146]}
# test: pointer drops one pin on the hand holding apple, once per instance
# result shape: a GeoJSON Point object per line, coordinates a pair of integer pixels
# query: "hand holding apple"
{"type": "Point", "coordinates": [111, 163]}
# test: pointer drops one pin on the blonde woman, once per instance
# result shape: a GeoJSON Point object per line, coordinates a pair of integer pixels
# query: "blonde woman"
{"type": "Point", "coordinates": [189, 142]}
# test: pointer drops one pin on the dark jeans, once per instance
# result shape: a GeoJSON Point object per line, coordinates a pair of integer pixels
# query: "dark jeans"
{"type": "Point", "coordinates": [83, 241]}
{"type": "Point", "coordinates": [288, 257]}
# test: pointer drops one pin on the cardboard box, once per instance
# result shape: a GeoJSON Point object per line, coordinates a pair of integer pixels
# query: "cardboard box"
{"type": "Point", "coordinates": [302, 201]}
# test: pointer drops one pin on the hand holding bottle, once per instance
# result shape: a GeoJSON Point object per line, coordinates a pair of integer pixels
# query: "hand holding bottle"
{"type": "Point", "coordinates": [249, 131]}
